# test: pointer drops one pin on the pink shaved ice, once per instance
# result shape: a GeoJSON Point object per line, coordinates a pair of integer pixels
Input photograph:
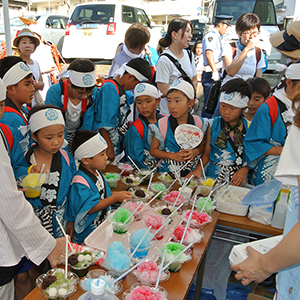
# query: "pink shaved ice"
{"type": "Point", "coordinates": [147, 272]}
{"type": "Point", "coordinates": [178, 232]}
{"type": "Point", "coordinates": [145, 293]}
{"type": "Point", "coordinates": [155, 221]}
{"type": "Point", "coordinates": [191, 236]}
{"type": "Point", "coordinates": [171, 198]}
{"type": "Point", "coordinates": [198, 218]}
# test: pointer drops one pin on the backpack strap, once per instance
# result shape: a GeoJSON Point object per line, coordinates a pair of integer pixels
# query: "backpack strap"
{"type": "Point", "coordinates": [65, 155]}
{"type": "Point", "coordinates": [13, 110]}
{"type": "Point", "coordinates": [176, 63]}
{"type": "Point", "coordinates": [163, 126]}
{"type": "Point", "coordinates": [65, 93]}
{"type": "Point", "coordinates": [114, 83]}
{"type": "Point", "coordinates": [198, 121]}
{"type": "Point", "coordinates": [138, 124]}
{"type": "Point", "coordinates": [81, 180]}
{"type": "Point", "coordinates": [273, 108]}
{"type": "Point", "coordinates": [7, 136]}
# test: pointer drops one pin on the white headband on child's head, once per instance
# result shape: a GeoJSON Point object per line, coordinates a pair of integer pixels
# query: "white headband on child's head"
{"type": "Point", "coordinates": [235, 99]}
{"type": "Point", "coordinates": [83, 79]}
{"type": "Point", "coordinates": [146, 89]}
{"type": "Point", "coordinates": [2, 90]}
{"type": "Point", "coordinates": [293, 71]}
{"type": "Point", "coordinates": [132, 71]}
{"type": "Point", "coordinates": [91, 147]}
{"type": "Point", "coordinates": [44, 118]}
{"type": "Point", "coordinates": [16, 73]}
{"type": "Point", "coordinates": [183, 86]}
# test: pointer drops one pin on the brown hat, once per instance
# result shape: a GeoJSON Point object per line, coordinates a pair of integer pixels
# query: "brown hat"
{"type": "Point", "coordinates": [26, 32]}
{"type": "Point", "coordinates": [287, 42]}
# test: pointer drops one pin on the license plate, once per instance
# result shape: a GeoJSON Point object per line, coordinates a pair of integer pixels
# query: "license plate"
{"type": "Point", "coordinates": [86, 33]}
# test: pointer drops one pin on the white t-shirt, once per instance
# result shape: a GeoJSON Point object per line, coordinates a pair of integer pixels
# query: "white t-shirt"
{"type": "Point", "coordinates": [72, 116]}
{"type": "Point", "coordinates": [167, 72]}
{"type": "Point", "coordinates": [248, 69]}
{"type": "Point", "coordinates": [289, 162]}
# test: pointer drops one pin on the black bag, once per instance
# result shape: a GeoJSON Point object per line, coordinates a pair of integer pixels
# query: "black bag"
{"type": "Point", "coordinates": [213, 97]}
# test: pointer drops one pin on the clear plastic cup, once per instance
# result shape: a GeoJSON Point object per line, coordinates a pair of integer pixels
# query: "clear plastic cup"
{"type": "Point", "coordinates": [118, 227]}
{"type": "Point", "coordinates": [29, 182]}
{"type": "Point", "coordinates": [112, 180]}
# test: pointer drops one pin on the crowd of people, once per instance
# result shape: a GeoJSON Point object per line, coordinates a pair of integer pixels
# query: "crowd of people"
{"type": "Point", "coordinates": [135, 113]}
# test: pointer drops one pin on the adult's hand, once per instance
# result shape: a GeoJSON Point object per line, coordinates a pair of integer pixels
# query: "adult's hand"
{"type": "Point", "coordinates": [252, 268]}
{"type": "Point", "coordinates": [58, 250]}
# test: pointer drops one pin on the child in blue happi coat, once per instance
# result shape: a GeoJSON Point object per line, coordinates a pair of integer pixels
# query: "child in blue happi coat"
{"type": "Point", "coordinates": [269, 127]}
{"type": "Point", "coordinates": [180, 97]}
{"type": "Point", "coordinates": [18, 80]}
{"type": "Point", "coordinates": [223, 154]}
{"type": "Point", "coordinates": [47, 127]}
{"type": "Point", "coordinates": [12, 146]}
{"type": "Point", "coordinates": [89, 196]}
{"type": "Point", "coordinates": [75, 96]}
{"type": "Point", "coordinates": [137, 146]}
{"type": "Point", "coordinates": [113, 104]}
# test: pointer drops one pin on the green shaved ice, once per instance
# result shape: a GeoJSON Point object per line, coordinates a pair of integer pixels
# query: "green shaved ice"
{"type": "Point", "coordinates": [109, 176]}
{"type": "Point", "coordinates": [84, 263]}
{"type": "Point", "coordinates": [60, 282]}
{"type": "Point", "coordinates": [159, 187]}
{"type": "Point", "coordinates": [201, 202]}
{"type": "Point", "coordinates": [172, 248]}
{"type": "Point", "coordinates": [168, 178]}
{"type": "Point", "coordinates": [121, 215]}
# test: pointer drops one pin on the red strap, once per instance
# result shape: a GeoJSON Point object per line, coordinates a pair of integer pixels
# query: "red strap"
{"type": "Point", "coordinates": [66, 99]}
{"type": "Point", "coordinates": [273, 108]}
{"type": "Point", "coordinates": [66, 96]}
{"type": "Point", "coordinates": [113, 82]}
{"type": "Point", "coordinates": [8, 135]}
{"type": "Point", "coordinates": [138, 124]}
{"type": "Point", "coordinates": [13, 110]}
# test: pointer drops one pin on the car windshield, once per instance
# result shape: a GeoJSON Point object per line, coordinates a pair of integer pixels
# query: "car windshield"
{"type": "Point", "coordinates": [102, 14]}
{"type": "Point", "coordinates": [263, 8]}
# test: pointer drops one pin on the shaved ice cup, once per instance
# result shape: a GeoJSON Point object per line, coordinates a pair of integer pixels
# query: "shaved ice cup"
{"type": "Point", "coordinates": [128, 169]}
{"type": "Point", "coordinates": [29, 182]}
{"type": "Point", "coordinates": [198, 220]}
{"type": "Point", "coordinates": [82, 268]}
{"type": "Point", "coordinates": [158, 219]}
{"type": "Point", "coordinates": [144, 247]}
{"type": "Point", "coordinates": [143, 173]}
{"type": "Point", "coordinates": [157, 187]}
{"type": "Point", "coordinates": [72, 287]}
{"type": "Point", "coordinates": [112, 180]}
{"type": "Point", "coordinates": [119, 227]}
{"type": "Point", "coordinates": [131, 205]}
{"type": "Point", "coordinates": [137, 292]}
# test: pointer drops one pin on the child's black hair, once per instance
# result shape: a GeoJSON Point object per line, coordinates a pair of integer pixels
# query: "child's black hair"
{"type": "Point", "coordinates": [9, 61]}
{"type": "Point", "coordinates": [141, 65]}
{"type": "Point", "coordinates": [82, 65]}
{"type": "Point", "coordinates": [187, 79]}
{"type": "Point", "coordinates": [237, 85]}
{"type": "Point", "coordinates": [80, 138]}
{"type": "Point", "coordinates": [37, 108]}
{"type": "Point", "coordinates": [260, 85]}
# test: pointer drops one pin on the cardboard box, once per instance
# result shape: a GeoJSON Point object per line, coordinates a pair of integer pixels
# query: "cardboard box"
{"type": "Point", "coordinates": [258, 293]}
{"type": "Point", "coordinates": [239, 253]}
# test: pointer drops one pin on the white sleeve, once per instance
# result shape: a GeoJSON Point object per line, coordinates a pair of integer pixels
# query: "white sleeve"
{"type": "Point", "coordinates": [261, 64]}
{"type": "Point", "coordinates": [20, 229]}
{"type": "Point", "coordinates": [164, 70]}
{"type": "Point", "coordinates": [289, 162]}
{"type": "Point", "coordinates": [227, 50]}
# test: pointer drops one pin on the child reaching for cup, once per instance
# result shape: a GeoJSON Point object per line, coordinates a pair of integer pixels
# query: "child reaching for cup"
{"type": "Point", "coordinates": [89, 195]}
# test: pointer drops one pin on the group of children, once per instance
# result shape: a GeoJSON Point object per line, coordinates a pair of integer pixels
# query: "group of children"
{"type": "Point", "coordinates": [244, 142]}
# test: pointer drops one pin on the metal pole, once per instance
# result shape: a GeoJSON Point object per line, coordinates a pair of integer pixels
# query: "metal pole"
{"type": "Point", "coordinates": [202, 8]}
{"type": "Point", "coordinates": [7, 28]}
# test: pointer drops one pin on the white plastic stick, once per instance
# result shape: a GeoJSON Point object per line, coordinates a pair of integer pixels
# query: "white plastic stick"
{"type": "Point", "coordinates": [148, 174]}
{"type": "Point", "coordinates": [189, 220]}
{"type": "Point", "coordinates": [178, 176]}
{"type": "Point", "coordinates": [144, 236]}
{"type": "Point", "coordinates": [176, 173]}
{"type": "Point", "coordinates": [42, 170]}
{"type": "Point", "coordinates": [128, 271]}
{"type": "Point", "coordinates": [120, 174]}
{"type": "Point", "coordinates": [64, 233]}
{"type": "Point", "coordinates": [186, 248]}
{"type": "Point", "coordinates": [203, 172]}
{"type": "Point", "coordinates": [150, 180]}
{"type": "Point", "coordinates": [160, 270]}
{"type": "Point", "coordinates": [133, 212]}
{"type": "Point", "coordinates": [134, 164]}
{"type": "Point", "coordinates": [186, 182]}
{"type": "Point", "coordinates": [147, 204]}
{"type": "Point", "coordinates": [66, 259]}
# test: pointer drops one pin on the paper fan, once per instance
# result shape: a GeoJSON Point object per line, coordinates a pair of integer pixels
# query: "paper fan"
{"type": "Point", "coordinates": [188, 136]}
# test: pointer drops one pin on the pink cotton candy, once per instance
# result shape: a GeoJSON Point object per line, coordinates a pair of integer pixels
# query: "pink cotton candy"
{"type": "Point", "coordinates": [155, 221]}
{"type": "Point", "coordinates": [198, 218]}
{"type": "Point", "coordinates": [171, 198]}
{"type": "Point", "coordinates": [178, 232]}
{"type": "Point", "coordinates": [145, 293]}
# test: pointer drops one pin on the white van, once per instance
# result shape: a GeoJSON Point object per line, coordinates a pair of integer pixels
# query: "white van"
{"type": "Point", "coordinates": [96, 30]}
